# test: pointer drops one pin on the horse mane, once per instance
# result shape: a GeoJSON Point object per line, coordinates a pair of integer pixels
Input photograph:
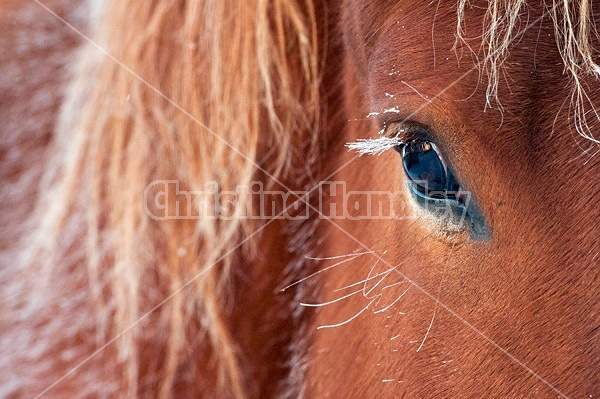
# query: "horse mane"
{"type": "Point", "coordinates": [171, 98]}
{"type": "Point", "coordinates": [574, 33]}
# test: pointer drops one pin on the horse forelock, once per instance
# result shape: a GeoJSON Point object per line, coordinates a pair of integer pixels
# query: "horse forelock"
{"type": "Point", "coordinates": [575, 34]}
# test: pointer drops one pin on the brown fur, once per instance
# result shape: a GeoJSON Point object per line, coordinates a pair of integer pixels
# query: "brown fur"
{"type": "Point", "coordinates": [517, 314]}
{"type": "Point", "coordinates": [100, 300]}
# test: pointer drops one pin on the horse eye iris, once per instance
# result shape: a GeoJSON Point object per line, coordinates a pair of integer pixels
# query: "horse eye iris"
{"type": "Point", "coordinates": [427, 172]}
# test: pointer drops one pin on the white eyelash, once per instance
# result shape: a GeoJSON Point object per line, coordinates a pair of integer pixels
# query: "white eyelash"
{"type": "Point", "coordinates": [374, 146]}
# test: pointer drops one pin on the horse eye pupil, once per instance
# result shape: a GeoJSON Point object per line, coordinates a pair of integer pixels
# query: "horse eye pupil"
{"type": "Point", "coordinates": [426, 171]}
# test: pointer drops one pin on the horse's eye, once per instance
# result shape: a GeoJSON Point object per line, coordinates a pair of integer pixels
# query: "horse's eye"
{"type": "Point", "coordinates": [427, 172]}
{"type": "Point", "coordinates": [436, 192]}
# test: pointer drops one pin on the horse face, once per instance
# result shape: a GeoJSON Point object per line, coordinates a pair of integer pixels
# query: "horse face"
{"type": "Point", "coordinates": [495, 295]}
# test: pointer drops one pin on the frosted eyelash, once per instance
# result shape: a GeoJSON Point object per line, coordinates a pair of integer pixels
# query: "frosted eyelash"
{"type": "Point", "coordinates": [375, 146]}
{"type": "Point", "coordinates": [390, 136]}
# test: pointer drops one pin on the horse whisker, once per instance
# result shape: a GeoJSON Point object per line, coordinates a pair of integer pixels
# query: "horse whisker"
{"type": "Point", "coordinates": [366, 294]}
{"type": "Point", "coordinates": [361, 281]}
{"type": "Point", "coordinates": [428, 328]}
{"type": "Point", "coordinates": [386, 273]}
{"type": "Point", "coordinates": [322, 270]}
{"type": "Point", "coordinates": [330, 302]}
{"type": "Point", "coordinates": [340, 256]}
{"type": "Point", "coordinates": [394, 302]}
{"type": "Point", "coordinates": [438, 295]}
{"type": "Point", "coordinates": [348, 320]}
{"type": "Point", "coordinates": [416, 91]}
{"type": "Point", "coordinates": [369, 275]}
